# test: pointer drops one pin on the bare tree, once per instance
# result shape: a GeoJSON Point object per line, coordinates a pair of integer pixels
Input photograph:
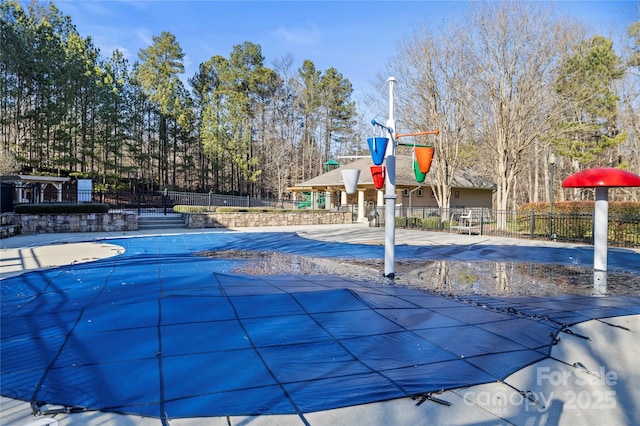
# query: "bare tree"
{"type": "Point", "coordinates": [629, 151]}
{"type": "Point", "coordinates": [434, 95]}
{"type": "Point", "coordinates": [515, 48]}
{"type": "Point", "coordinates": [279, 153]}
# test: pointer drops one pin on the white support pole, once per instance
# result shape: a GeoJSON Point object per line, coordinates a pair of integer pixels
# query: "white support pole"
{"type": "Point", "coordinates": [390, 193]}
{"type": "Point", "coordinates": [58, 187]}
{"type": "Point", "coordinates": [600, 219]}
{"type": "Point", "coordinates": [600, 224]}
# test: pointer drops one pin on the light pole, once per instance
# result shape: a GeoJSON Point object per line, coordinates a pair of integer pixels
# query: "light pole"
{"type": "Point", "coordinates": [552, 165]}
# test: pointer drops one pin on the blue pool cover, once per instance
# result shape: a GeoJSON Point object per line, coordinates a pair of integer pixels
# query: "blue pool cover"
{"type": "Point", "coordinates": [159, 331]}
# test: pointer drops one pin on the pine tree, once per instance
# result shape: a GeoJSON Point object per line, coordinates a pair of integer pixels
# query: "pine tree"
{"type": "Point", "coordinates": [588, 125]}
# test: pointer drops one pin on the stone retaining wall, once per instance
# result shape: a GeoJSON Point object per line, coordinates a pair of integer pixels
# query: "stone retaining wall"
{"type": "Point", "coordinates": [250, 219]}
{"type": "Point", "coordinates": [7, 228]}
{"type": "Point", "coordinates": [112, 222]}
{"type": "Point", "coordinates": [75, 222]}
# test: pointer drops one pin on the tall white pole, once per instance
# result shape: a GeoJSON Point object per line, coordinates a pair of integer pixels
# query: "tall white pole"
{"type": "Point", "coordinates": [390, 193]}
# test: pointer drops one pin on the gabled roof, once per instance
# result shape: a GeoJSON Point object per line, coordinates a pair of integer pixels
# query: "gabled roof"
{"type": "Point", "coordinates": [404, 176]}
{"type": "Point", "coordinates": [33, 179]}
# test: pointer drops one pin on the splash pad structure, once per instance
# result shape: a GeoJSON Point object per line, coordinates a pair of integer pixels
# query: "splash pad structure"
{"type": "Point", "coordinates": [601, 179]}
{"type": "Point", "coordinates": [383, 151]}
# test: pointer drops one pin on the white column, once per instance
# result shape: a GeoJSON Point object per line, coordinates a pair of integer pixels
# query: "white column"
{"type": "Point", "coordinates": [343, 198]}
{"type": "Point", "coordinates": [37, 193]}
{"type": "Point", "coordinates": [380, 200]}
{"type": "Point", "coordinates": [328, 200]}
{"type": "Point", "coordinates": [58, 187]}
{"type": "Point", "coordinates": [600, 220]}
{"type": "Point", "coordinates": [361, 216]}
{"type": "Point", "coordinates": [20, 192]}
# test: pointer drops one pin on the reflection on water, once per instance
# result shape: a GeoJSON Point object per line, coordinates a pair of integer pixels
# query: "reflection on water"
{"type": "Point", "coordinates": [515, 279]}
{"type": "Point", "coordinates": [485, 278]}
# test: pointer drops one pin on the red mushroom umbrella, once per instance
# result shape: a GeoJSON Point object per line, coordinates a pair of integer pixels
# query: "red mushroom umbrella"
{"type": "Point", "coordinates": [606, 177]}
{"type": "Point", "coordinates": [602, 179]}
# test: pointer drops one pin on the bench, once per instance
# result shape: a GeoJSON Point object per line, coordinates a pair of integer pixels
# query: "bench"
{"type": "Point", "coordinates": [466, 222]}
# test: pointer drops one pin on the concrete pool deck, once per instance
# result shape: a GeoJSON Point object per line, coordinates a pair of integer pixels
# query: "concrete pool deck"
{"type": "Point", "coordinates": [585, 381]}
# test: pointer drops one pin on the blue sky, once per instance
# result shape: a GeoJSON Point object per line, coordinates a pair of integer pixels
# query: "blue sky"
{"type": "Point", "coordinates": [355, 37]}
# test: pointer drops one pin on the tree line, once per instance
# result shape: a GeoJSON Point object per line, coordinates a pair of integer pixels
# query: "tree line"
{"type": "Point", "coordinates": [510, 87]}
{"type": "Point", "coordinates": [241, 128]}
{"type": "Point", "coordinates": [516, 93]}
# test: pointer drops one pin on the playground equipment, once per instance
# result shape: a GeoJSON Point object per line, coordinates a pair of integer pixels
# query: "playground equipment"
{"type": "Point", "coordinates": [330, 165]}
{"type": "Point", "coordinates": [424, 156]}
{"type": "Point", "coordinates": [383, 150]}
{"type": "Point", "coordinates": [420, 177]}
{"type": "Point", "coordinates": [307, 202]}
{"type": "Point", "coordinates": [377, 172]}
{"type": "Point", "coordinates": [350, 179]}
{"type": "Point", "coordinates": [377, 147]}
{"type": "Point", "coordinates": [602, 179]}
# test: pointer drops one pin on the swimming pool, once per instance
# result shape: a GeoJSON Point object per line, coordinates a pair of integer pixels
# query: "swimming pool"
{"type": "Point", "coordinates": [161, 331]}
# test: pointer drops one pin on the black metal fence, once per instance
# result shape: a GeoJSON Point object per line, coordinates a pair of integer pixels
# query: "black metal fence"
{"type": "Point", "coordinates": [623, 230]}
{"type": "Point", "coordinates": [159, 202]}
{"type": "Point", "coordinates": [216, 200]}
{"type": "Point", "coordinates": [153, 202]}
